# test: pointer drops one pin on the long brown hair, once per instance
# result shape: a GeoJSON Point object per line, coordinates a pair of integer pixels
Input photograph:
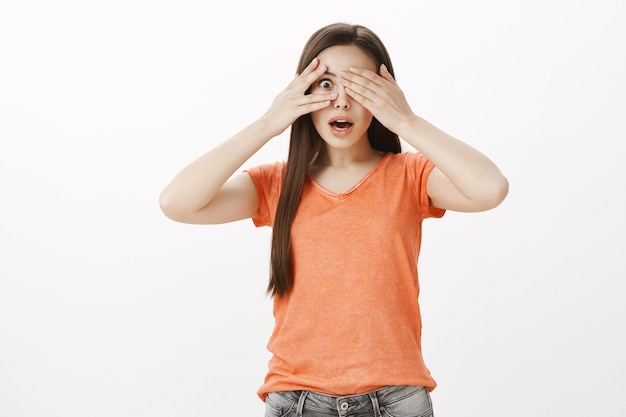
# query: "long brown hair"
{"type": "Point", "coordinates": [305, 143]}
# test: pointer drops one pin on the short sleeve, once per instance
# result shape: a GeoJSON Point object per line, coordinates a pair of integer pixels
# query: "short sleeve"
{"type": "Point", "coordinates": [268, 180]}
{"type": "Point", "coordinates": [421, 167]}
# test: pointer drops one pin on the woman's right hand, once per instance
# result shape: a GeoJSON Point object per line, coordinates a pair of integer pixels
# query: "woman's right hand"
{"type": "Point", "coordinates": [204, 192]}
{"type": "Point", "coordinates": [293, 101]}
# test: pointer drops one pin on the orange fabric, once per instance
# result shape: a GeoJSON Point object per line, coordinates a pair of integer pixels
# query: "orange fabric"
{"type": "Point", "coordinates": [352, 322]}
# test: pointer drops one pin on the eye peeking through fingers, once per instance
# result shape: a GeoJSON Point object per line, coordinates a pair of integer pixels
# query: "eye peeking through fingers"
{"type": "Point", "coordinates": [324, 84]}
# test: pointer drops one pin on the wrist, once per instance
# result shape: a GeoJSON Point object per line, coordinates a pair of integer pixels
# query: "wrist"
{"type": "Point", "coordinates": [264, 128]}
{"type": "Point", "coordinates": [409, 125]}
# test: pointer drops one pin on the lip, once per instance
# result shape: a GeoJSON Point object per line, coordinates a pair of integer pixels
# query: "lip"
{"type": "Point", "coordinates": [342, 118]}
{"type": "Point", "coordinates": [344, 132]}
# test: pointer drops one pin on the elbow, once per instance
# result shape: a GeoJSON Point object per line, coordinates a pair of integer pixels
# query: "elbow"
{"type": "Point", "coordinates": [165, 205]}
{"type": "Point", "coordinates": [496, 192]}
{"type": "Point", "coordinates": [178, 209]}
{"type": "Point", "coordinates": [169, 207]}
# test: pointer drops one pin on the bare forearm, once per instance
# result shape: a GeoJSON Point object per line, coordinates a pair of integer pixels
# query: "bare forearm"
{"type": "Point", "coordinates": [187, 198]}
{"type": "Point", "coordinates": [472, 173]}
{"type": "Point", "coordinates": [195, 186]}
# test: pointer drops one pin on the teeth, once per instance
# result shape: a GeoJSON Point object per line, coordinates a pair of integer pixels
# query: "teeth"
{"type": "Point", "coordinates": [341, 124]}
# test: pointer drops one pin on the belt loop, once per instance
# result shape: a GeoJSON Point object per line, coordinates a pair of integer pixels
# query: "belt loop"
{"type": "Point", "coordinates": [375, 404]}
{"type": "Point", "coordinates": [300, 409]}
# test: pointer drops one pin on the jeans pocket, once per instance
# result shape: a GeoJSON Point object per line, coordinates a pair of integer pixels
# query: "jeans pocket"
{"type": "Point", "coordinates": [279, 404]}
{"type": "Point", "coordinates": [414, 403]}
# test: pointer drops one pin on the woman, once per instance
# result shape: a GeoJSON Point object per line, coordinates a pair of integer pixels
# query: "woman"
{"type": "Point", "coordinates": [346, 210]}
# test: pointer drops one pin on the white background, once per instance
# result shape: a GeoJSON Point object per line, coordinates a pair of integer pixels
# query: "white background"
{"type": "Point", "coordinates": [109, 309]}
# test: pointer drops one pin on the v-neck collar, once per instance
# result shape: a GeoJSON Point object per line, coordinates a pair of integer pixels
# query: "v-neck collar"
{"type": "Point", "coordinates": [351, 190]}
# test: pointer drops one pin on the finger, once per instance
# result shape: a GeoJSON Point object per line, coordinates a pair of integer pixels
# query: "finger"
{"type": "Point", "coordinates": [360, 84]}
{"type": "Point", "coordinates": [311, 67]}
{"type": "Point", "coordinates": [306, 71]}
{"type": "Point", "coordinates": [359, 88]}
{"type": "Point", "coordinates": [362, 99]}
{"type": "Point", "coordinates": [314, 102]}
{"type": "Point", "coordinates": [314, 75]}
{"type": "Point", "coordinates": [316, 98]}
{"type": "Point", "coordinates": [384, 73]}
{"type": "Point", "coordinates": [309, 108]}
{"type": "Point", "coordinates": [363, 76]}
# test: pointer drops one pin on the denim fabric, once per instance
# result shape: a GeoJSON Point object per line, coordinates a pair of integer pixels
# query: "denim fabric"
{"type": "Point", "coordinates": [392, 401]}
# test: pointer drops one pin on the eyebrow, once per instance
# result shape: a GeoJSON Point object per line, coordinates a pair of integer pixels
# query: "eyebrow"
{"type": "Point", "coordinates": [330, 74]}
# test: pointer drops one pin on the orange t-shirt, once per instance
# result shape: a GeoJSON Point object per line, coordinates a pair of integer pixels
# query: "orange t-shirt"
{"type": "Point", "coordinates": [351, 322]}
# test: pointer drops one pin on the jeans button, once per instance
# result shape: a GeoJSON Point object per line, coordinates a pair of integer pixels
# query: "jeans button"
{"type": "Point", "coordinates": [344, 406]}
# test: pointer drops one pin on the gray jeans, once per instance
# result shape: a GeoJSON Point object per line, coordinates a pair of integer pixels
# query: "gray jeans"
{"type": "Point", "coordinates": [391, 401]}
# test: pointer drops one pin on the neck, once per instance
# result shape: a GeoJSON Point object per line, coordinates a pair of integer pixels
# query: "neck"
{"type": "Point", "coordinates": [345, 157]}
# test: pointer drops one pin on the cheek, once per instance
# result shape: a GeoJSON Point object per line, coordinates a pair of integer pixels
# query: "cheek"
{"type": "Point", "coordinates": [365, 115]}
{"type": "Point", "coordinates": [316, 117]}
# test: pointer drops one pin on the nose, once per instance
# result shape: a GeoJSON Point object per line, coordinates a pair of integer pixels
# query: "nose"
{"type": "Point", "coordinates": [343, 100]}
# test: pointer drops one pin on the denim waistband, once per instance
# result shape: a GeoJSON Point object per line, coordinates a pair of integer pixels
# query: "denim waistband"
{"type": "Point", "coordinates": [348, 405]}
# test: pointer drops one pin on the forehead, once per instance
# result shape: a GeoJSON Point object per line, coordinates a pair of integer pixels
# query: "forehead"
{"type": "Point", "coordinates": [342, 57]}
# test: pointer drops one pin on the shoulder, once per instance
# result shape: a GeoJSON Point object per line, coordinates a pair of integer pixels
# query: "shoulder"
{"type": "Point", "coordinates": [412, 161]}
{"type": "Point", "coordinates": [412, 157]}
{"type": "Point", "coordinates": [267, 178]}
{"type": "Point", "coordinates": [267, 172]}
{"type": "Point", "coordinates": [269, 168]}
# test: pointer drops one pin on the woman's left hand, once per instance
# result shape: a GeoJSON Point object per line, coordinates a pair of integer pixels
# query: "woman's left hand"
{"type": "Point", "coordinates": [380, 94]}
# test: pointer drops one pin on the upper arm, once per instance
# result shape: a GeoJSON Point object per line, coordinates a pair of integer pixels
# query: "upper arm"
{"type": "Point", "coordinates": [443, 194]}
{"type": "Point", "coordinates": [236, 200]}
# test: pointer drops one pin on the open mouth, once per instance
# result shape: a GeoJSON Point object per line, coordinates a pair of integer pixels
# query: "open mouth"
{"type": "Point", "coordinates": [341, 124]}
